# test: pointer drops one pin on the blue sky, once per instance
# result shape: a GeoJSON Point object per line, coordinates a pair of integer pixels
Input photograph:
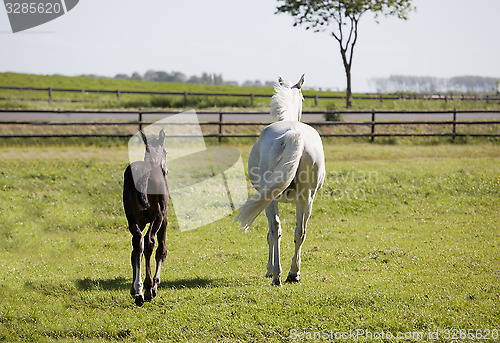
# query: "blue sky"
{"type": "Point", "coordinates": [245, 40]}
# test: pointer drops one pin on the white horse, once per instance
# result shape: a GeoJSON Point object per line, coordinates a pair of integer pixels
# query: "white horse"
{"type": "Point", "coordinates": [286, 164]}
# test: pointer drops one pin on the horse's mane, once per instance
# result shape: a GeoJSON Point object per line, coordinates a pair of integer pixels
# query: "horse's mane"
{"type": "Point", "coordinates": [283, 105]}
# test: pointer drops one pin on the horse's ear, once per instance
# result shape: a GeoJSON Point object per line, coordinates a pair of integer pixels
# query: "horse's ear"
{"type": "Point", "coordinates": [280, 81]}
{"type": "Point", "coordinates": [161, 136]}
{"type": "Point", "coordinates": [301, 82]}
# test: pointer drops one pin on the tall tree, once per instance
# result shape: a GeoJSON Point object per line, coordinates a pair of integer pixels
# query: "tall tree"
{"type": "Point", "coordinates": [340, 18]}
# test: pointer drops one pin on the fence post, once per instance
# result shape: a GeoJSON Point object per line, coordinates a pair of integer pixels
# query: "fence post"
{"type": "Point", "coordinates": [118, 95]}
{"type": "Point", "coordinates": [251, 99]}
{"type": "Point", "coordinates": [140, 119]}
{"type": "Point", "coordinates": [50, 95]}
{"type": "Point", "coordinates": [220, 127]}
{"type": "Point", "coordinates": [316, 100]}
{"type": "Point", "coordinates": [454, 129]}
{"type": "Point", "coordinates": [381, 100]}
{"type": "Point", "coordinates": [373, 125]}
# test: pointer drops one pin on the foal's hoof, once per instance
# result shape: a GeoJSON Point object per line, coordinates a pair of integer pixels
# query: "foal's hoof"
{"type": "Point", "coordinates": [139, 300]}
{"type": "Point", "coordinates": [276, 283]}
{"type": "Point", "coordinates": [149, 294]}
{"type": "Point", "coordinates": [293, 278]}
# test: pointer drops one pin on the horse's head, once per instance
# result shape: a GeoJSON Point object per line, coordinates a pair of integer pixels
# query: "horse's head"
{"type": "Point", "coordinates": [156, 152]}
{"type": "Point", "coordinates": [286, 103]}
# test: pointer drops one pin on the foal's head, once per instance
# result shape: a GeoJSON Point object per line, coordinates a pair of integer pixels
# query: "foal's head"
{"type": "Point", "coordinates": [286, 103]}
{"type": "Point", "coordinates": [156, 152]}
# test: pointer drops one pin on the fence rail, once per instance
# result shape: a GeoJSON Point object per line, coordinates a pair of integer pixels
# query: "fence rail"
{"type": "Point", "coordinates": [221, 119]}
{"type": "Point", "coordinates": [251, 96]}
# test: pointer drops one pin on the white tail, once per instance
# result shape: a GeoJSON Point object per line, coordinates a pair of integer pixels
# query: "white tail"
{"type": "Point", "coordinates": [280, 178]}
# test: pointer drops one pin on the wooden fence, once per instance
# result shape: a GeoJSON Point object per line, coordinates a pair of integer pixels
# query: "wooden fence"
{"type": "Point", "coordinates": [221, 119]}
{"type": "Point", "coordinates": [118, 93]}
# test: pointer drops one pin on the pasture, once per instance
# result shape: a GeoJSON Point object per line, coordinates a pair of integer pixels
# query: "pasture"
{"type": "Point", "coordinates": [402, 239]}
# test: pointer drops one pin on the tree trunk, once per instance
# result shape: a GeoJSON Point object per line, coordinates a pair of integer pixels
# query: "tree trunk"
{"type": "Point", "coordinates": [347, 68]}
{"type": "Point", "coordinates": [348, 92]}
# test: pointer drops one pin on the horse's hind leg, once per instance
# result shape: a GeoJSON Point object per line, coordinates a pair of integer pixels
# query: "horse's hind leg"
{"type": "Point", "coordinates": [303, 213]}
{"type": "Point", "coordinates": [274, 238]}
{"type": "Point", "coordinates": [136, 259]}
{"type": "Point", "coordinates": [161, 255]}
{"type": "Point", "coordinates": [270, 260]}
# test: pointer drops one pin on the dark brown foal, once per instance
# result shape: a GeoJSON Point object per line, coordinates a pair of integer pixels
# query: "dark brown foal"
{"type": "Point", "coordinates": [145, 199]}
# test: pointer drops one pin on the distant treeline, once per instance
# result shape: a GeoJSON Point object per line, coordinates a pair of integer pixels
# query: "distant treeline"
{"type": "Point", "coordinates": [176, 76]}
{"type": "Point", "coordinates": [427, 84]}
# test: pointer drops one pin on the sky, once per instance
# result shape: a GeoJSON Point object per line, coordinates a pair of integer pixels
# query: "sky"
{"type": "Point", "coordinates": [246, 40]}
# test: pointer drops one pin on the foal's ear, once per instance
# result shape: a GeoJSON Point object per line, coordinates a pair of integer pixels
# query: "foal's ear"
{"type": "Point", "coordinates": [280, 81]}
{"type": "Point", "coordinates": [144, 139]}
{"type": "Point", "coordinates": [161, 136]}
{"type": "Point", "coordinates": [301, 82]}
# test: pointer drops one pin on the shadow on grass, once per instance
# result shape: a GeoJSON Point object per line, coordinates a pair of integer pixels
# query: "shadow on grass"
{"type": "Point", "coordinates": [196, 282]}
{"type": "Point", "coordinates": [90, 284]}
{"type": "Point", "coordinates": [121, 283]}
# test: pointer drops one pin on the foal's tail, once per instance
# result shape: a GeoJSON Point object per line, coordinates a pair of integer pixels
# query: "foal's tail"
{"type": "Point", "coordinates": [276, 180]}
{"type": "Point", "coordinates": [139, 188]}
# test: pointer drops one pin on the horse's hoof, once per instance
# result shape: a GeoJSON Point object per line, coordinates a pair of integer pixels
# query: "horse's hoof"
{"type": "Point", "coordinates": [139, 300]}
{"type": "Point", "coordinates": [292, 278]}
{"type": "Point", "coordinates": [147, 296]}
{"type": "Point", "coordinates": [268, 275]}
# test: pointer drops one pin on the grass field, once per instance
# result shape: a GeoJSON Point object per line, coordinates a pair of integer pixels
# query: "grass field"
{"type": "Point", "coordinates": [403, 239]}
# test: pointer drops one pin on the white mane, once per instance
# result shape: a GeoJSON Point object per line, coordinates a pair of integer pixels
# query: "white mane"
{"type": "Point", "coordinates": [286, 103]}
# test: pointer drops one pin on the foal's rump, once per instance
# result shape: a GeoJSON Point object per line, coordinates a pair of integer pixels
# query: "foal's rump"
{"type": "Point", "coordinates": [142, 179]}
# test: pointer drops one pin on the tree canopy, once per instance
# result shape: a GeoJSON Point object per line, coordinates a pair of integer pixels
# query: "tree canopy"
{"type": "Point", "coordinates": [322, 15]}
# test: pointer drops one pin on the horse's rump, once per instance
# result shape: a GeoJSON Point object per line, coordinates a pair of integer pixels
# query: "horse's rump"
{"type": "Point", "coordinates": [279, 173]}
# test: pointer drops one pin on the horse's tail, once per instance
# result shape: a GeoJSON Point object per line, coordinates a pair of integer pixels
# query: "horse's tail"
{"type": "Point", "coordinates": [276, 180]}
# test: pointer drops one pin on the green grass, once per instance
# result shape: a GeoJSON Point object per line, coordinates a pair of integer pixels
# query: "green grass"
{"type": "Point", "coordinates": [402, 238]}
{"type": "Point", "coordinates": [85, 100]}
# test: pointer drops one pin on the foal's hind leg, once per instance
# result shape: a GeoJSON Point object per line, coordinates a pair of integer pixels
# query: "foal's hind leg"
{"type": "Point", "coordinates": [303, 213]}
{"type": "Point", "coordinates": [148, 251]}
{"type": "Point", "coordinates": [136, 259]}
{"type": "Point", "coordinates": [273, 239]}
{"type": "Point", "coordinates": [161, 255]}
